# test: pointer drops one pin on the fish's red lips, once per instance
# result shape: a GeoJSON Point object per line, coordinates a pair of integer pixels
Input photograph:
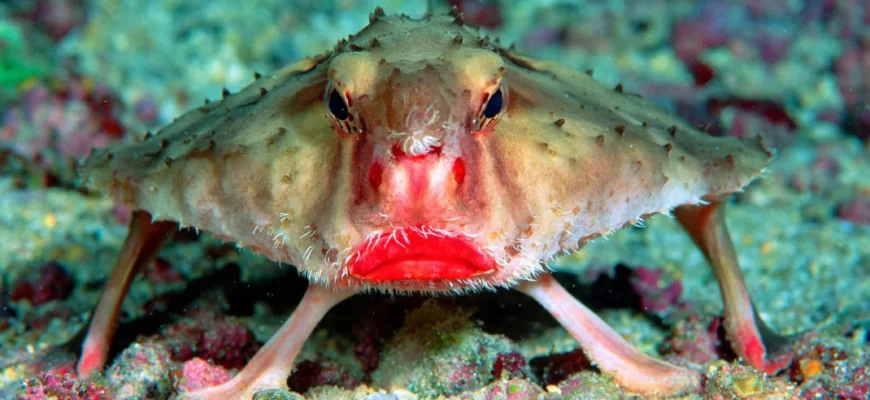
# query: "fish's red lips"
{"type": "Point", "coordinates": [418, 256]}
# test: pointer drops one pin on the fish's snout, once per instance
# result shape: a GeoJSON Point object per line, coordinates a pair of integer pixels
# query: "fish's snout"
{"type": "Point", "coordinates": [416, 188]}
{"type": "Point", "coordinates": [412, 165]}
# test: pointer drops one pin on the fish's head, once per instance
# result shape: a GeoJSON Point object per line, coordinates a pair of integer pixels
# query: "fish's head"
{"type": "Point", "coordinates": [423, 203]}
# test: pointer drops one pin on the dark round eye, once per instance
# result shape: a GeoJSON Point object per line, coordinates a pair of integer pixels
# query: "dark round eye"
{"type": "Point", "coordinates": [493, 107]}
{"type": "Point", "coordinates": [337, 106]}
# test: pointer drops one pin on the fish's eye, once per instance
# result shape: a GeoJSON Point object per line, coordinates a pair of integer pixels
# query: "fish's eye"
{"type": "Point", "coordinates": [494, 105]}
{"type": "Point", "coordinates": [337, 106]}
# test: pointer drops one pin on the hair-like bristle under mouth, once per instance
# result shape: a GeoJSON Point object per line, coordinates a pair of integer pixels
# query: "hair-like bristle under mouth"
{"type": "Point", "coordinates": [419, 254]}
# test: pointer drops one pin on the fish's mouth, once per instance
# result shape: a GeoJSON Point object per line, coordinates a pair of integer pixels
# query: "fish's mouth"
{"type": "Point", "coordinates": [418, 254]}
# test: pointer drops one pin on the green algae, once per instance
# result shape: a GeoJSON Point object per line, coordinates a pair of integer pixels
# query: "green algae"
{"type": "Point", "coordinates": [276, 394]}
{"type": "Point", "coordinates": [17, 65]}
{"type": "Point", "coordinates": [440, 350]}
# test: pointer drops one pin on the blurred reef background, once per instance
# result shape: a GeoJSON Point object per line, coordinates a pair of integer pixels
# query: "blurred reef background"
{"type": "Point", "coordinates": [78, 74]}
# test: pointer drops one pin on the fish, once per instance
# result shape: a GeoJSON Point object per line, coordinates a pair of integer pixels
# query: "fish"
{"type": "Point", "coordinates": [418, 156]}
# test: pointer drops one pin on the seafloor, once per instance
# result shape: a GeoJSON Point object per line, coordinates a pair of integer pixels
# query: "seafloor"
{"type": "Point", "coordinates": [76, 74]}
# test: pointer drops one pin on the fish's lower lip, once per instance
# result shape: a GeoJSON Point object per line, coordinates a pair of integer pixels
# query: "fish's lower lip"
{"type": "Point", "coordinates": [420, 257]}
{"type": "Point", "coordinates": [421, 269]}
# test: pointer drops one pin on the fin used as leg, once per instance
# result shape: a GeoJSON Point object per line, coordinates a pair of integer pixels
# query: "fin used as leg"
{"type": "Point", "coordinates": [273, 363]}
{"type": "Point", "coordinates": [612, 355]}
{"type": "Point", "coordinates": [751, 339]}
{"type": "Point", "coordinates": [143, 242]}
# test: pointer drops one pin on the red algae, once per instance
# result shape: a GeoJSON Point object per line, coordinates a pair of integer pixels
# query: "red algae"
{"type": "Point", "coordinates": [485, 13]}
{"type": "Point", "coordinates": [308, 374]}
{"type": "Point", "coordinates": [197, 373]}
{"type": "Point", "coordinates": [690, 38]}
{"type": "Point", "coordinates": [856, 210]}
{"type": "Point", "coordinates": [696, 340]}
{"type": "Point", "coordinates": [56, 125]}
{"type": "Point", "coordinates": [161, 271]}
{"type": "Point", "coordinates": [701, 72]}
{"type": "Point", "coordinates": [57, 18]}
{"type": "Point", "coordinates": [211, 336]}
{"type": "Point", "coordinates": [657, 295]}
{"type": "Point", "coordinates": [45, 283]}
{"type": "Point", "coordinates": [48, 386]}
{"type": "Point", "coordinates": [556, 368]}
{"type": "Point", "coordinates": [510, 365]}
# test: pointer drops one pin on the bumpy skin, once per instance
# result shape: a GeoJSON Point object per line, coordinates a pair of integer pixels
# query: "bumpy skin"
{"type": "Point", "coordinates": [276, 172]}
{"type": "Point", "coordinates": [418, 164]}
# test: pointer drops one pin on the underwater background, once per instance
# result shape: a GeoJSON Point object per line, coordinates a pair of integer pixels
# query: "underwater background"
{"type": "Point", "coordinates": [79, 74]}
